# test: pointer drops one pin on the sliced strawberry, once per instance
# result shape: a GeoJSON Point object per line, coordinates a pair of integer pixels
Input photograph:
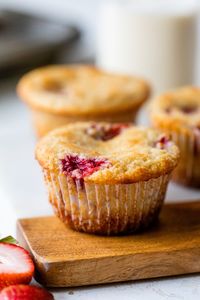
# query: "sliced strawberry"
{"type": "Point", "coordinates": [16, 265]}
{"type": "Point", "coordinates": [25, 292]}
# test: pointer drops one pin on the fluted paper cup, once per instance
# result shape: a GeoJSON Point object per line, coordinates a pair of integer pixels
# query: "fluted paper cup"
{"type": "Point", "coordinates": [104, 208]}
{"type": "Point", "coordinates": [188, 170]}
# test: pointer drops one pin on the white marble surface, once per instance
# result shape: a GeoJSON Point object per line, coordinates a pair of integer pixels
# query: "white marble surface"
{"type": "Point", "coordinates": [22, 194]}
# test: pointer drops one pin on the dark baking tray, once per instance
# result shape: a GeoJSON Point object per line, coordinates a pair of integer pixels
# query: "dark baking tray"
{"type": "Point", "coordinates": [27, 40]}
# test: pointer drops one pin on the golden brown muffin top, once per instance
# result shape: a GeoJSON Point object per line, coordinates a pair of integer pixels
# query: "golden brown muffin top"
{"type": "Point", "coordinates": [105, 153]}
{"type": "Point", "coordinates": [81, 90]}
{"type": "Point", "coordinates": [177, 109]}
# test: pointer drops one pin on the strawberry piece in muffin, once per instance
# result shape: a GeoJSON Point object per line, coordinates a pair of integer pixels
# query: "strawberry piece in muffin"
{"type": "Point", "coordinates": [163, 142]}
{"type": "Point", "coordinates": [108, 178]}
{"type": "Point", "coordinates": [78, 167]}
{"type": "Point", "coordinates": [105, 132]}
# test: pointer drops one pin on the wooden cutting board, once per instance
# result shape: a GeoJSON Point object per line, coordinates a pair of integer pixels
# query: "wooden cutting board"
{"type": "Point", "coordinates": [65, 258]}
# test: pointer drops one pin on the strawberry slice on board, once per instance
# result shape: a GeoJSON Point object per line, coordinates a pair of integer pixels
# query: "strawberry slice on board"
{"type": "Point", "coordinates": [25, 292]}
{"type": "Point", "coordinates": [16, 265]}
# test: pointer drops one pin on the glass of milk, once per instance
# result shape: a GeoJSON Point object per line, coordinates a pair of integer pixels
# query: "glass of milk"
{"type": "Point", "coordinates": [155, 39]}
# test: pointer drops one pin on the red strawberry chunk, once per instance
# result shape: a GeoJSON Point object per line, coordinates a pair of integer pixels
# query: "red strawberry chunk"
{"type": "Point", "coordinates": [105, 132]}
{"type": "Point", "coordinates": [16, 265]}
{"type": "Point", "coordinates": [25, 292]}
{"type": "Point", "coordinates": [188, 109]}
{"type": "Point", "coordinates": [162, 142]}
{"type": "Point", "coordinates": [79, 167]}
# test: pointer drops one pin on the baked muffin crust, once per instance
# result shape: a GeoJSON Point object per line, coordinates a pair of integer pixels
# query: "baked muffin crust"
{"type": "Point", "coordinates": [178, 114]}
{"type": "Point", "coordinates": [81, 90]}
{"type": "Point", "coordinates": [134, 154]}
{"type": "Point", "coordinates": [178, 109]}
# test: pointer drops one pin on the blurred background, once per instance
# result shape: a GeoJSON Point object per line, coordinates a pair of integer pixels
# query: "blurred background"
{"type": "Point", "coordinates": [115, 34]}
{"type": "Point", "coordinates": [155, 39]}
{"type": "Point", "coordinates": [41, 23]}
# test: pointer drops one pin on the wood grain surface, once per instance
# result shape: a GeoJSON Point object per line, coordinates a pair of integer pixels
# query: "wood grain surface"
{"type": "Point", "coordinates": [65, 258]}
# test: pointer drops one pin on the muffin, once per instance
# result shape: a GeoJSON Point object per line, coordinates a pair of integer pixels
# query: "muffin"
{"type": "Point", "coordinates": [58, 95]}
{"type": "Point", "coordinates": [106, 178]}
{"type": "Point", "coordinates": [178, 113]}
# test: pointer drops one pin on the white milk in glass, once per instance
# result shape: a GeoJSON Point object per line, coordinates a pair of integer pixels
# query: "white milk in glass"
{"type": "Point", "coordinates": [154, 39]}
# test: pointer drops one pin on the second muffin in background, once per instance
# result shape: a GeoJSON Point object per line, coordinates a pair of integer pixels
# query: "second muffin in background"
{"type": "Point", "coordinates": [178, 114]}
{"type": "Point", "coordinates": [106, 178]}
{"type": "Point", "coordinates": [60, 94]}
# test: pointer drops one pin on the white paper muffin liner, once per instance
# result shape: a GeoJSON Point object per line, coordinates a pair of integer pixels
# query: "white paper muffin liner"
{"type": "Point", "coordinates": [188, 170]}
{"type": "Point", "coordinates": [106, 209]}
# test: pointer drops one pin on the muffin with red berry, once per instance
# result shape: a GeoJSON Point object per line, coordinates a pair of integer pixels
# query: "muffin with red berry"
{"type": "Point", "coordinates": [178, 114]}
{"type": "Point", "coordinates": [58, 95]}
{"type": "Point", "coordinates": [106, 178]}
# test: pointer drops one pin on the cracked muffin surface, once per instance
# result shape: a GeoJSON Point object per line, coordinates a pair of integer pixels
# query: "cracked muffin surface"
{"type": "Point", "coordinates": [127, 154]}
{"type": "Point", "coordinates": [106, 178]}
